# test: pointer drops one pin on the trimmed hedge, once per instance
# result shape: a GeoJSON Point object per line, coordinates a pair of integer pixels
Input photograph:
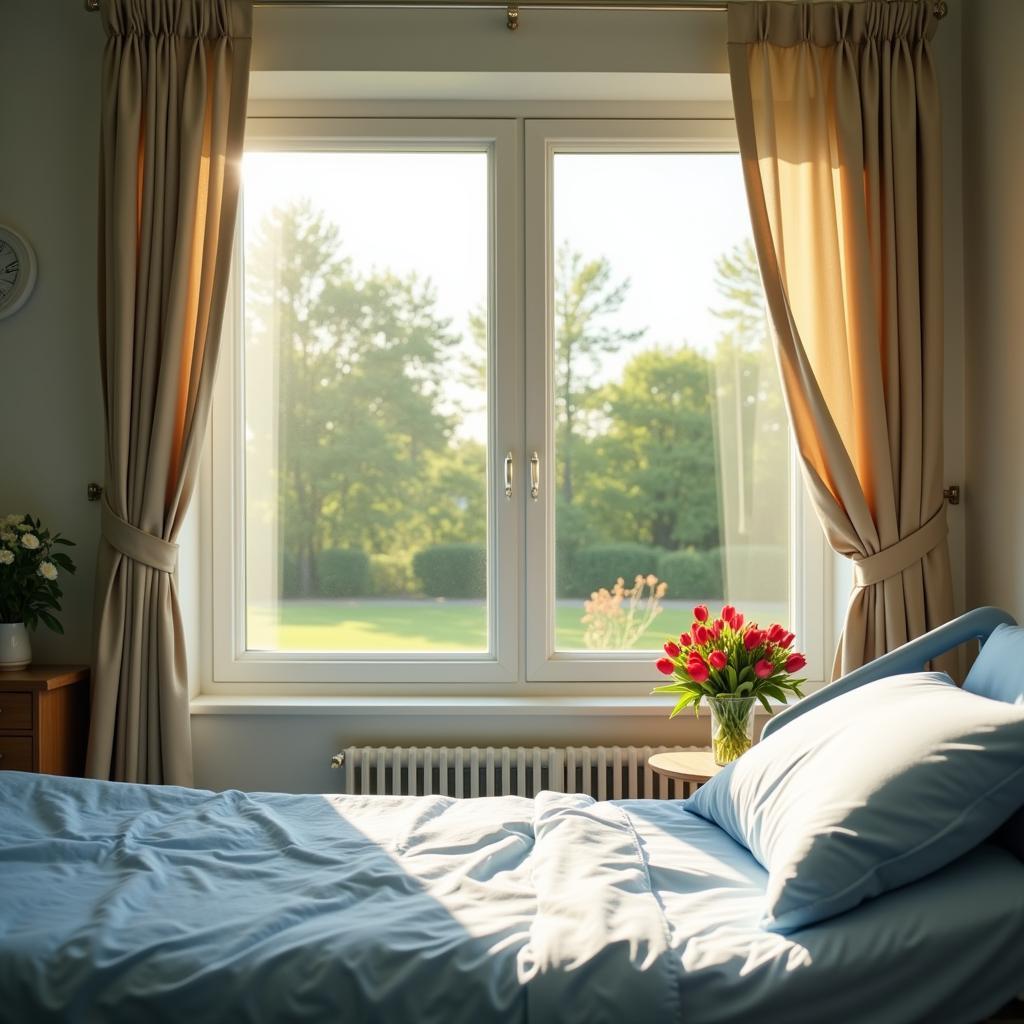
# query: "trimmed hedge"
{"type": "Point", "coordinates": [602, 564]}
{"type": "Point", "coordinates": [391, 576]}
{"type": "Point", "coordinates": [692, 574]}
{"type": "Point", "coordinates": [343, 572]}
{"type": "Point", "coordinates": [565, 559]}
{"type": "Point", "coordinates": [452, 570]}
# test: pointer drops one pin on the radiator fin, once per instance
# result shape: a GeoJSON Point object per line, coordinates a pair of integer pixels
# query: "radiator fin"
{"type": "Point", "coordinates": [606, 773]}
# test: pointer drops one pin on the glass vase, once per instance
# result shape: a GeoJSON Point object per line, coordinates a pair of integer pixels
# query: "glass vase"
{"type": "Point", "coordinates": [732, 727]}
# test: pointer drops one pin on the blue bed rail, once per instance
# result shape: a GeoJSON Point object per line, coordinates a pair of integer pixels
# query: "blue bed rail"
{"type": "Point", "coordinates": [911, 657]}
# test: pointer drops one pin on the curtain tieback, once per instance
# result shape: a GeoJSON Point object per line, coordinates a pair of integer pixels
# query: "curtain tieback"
{"type": "Point", "coordinates": [136, 544]}
{"type": "Point", "coordinates": [903, 554]}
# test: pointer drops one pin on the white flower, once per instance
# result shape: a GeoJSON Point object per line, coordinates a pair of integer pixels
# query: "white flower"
{"type": "Point", "coordinates": [14, 519]}
{"type": "Point", "coordinates": [30, 541]}
{"type": "Point", "coordinates": [8, 537]}
{"type": "Point", "coordinates": [24, 527]}
{"type": "Point", "coordinates": [47, 570]}
{"type": "Point", "coordinates": [6, 557]}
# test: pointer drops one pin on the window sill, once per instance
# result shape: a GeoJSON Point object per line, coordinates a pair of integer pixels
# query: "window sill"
{"type": "Point", "coordinates": [527, 706]}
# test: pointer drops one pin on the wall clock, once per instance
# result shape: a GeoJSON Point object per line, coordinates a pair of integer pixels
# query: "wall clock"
{"type": "Point", "coordinates": [17, 271]}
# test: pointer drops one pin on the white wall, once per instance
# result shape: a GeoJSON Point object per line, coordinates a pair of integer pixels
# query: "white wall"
{"type": "Point", "coordinates": [50, 404]}
{"type": "Point", "coordinates": [993, 147]}
{"type": "Point", "coordinates": [49, 389]}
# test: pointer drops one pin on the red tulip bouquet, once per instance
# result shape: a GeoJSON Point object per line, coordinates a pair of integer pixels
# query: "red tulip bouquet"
{"type": "Point", "coordinates": [732, 664]}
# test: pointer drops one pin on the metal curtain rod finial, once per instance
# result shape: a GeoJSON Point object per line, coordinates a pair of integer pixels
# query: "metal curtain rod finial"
{"type": "Point", "coordinates": [939, 8]}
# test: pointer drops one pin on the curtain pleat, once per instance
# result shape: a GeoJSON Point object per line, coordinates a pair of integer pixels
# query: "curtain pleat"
{"type": "Point", "coordinates": [838, 120]}
{"type": "Point", "coordinates": [174, 87]}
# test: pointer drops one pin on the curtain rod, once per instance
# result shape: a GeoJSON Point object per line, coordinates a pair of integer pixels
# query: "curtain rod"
{"type": "Point", "coordinates": [510, 7]}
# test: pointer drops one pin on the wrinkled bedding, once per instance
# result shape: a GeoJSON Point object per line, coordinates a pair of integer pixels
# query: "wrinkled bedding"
{"type": "Point", "coordinates": [134, 903]}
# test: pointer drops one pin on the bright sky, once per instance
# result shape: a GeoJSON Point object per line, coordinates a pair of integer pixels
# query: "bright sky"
{"type": "Point", "coordinates": [660, 218]}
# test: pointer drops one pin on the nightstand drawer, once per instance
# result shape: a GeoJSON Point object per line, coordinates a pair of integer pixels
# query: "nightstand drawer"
{"type": "Point", "coordinates": [44, 719]}
{"type": "Point", "coordinates": [16, 753]}
{"type": "Point", "coordinates": [15, 712]}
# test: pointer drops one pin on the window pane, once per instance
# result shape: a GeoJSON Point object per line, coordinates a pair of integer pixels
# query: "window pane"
{"type": "Point", "coordinates": [672, 457]}
{"type": "Point", "coordinates": [365, 370]}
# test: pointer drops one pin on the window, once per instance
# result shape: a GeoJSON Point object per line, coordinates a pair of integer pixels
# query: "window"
{"type": "Point", "coordinates": [365, 400]}
{"type": "Point", "coordinates": [500, 407]}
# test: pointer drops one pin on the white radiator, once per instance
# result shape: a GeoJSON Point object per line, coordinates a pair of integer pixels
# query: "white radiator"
{"type": "Point", "coordinates": [606, 773]}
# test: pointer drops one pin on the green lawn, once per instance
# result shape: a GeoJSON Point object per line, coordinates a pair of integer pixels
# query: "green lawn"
{"type": "Point", "coordinates": [428, 626]}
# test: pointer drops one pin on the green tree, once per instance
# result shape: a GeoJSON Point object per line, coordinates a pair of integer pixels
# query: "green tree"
{"type": "Point", "coordinates": [659, 439]}
{"type": "Point", "coordinates": [586, 297]}
{"type": "Point", "coordinates": [738, 281]}
{"type": "Point", "coordinates": [360, 364]}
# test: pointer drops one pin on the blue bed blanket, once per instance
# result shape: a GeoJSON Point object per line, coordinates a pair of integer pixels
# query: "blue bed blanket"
{"type": "Point", "coordinates": [139, 904]}
{"type": "Point", "coordinates": [131, 903]}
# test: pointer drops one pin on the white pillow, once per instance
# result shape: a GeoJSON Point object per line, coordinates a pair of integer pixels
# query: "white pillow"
{"type": "Point", "coordinates": [871, 790]}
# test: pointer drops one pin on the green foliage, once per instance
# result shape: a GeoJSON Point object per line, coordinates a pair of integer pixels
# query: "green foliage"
{"type": "Point", "coordinates": [692, 574]}
{"type": "Point", "coordinates": [29, 568]}
{"type": "Point", "coordinates": [573, 527]}
{"type": "Point", "coordinates": [343, 572]}
{"type": "Point", "coordinates": [371, 383]}
{"type": "Point", "coordinates": [452, 570]}
{"type": "Point", "coordinates": [392, 576]}
{"type": "Point", "coordinates": [290, 583]}
{"type": "Point", "coordinates": [585, 296]}
{"type": "Point", "coordinates": [659, 435]}
{"type": "Point", "coordinates": [360, 364]}
{"type": "Point", "coordinates": [451, 504]}
{"type": "Point", "coordinates": [602, 564]}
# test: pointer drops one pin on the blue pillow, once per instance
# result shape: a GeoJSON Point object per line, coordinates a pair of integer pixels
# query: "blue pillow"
{"type": "Point", "coordinates": [999, 670]}
{"type": "Point", "coordinates": [869, 791]}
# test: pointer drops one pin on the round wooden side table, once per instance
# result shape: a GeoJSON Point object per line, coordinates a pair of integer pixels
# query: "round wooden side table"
{"type": "Point", "coordinates": [687, 765]}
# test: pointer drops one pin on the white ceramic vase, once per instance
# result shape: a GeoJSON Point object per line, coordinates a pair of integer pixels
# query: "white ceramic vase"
{"type": "Point", "coordinates": [15, 648]}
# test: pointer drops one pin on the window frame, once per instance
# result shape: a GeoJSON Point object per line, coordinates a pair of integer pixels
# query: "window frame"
{"type": "Point", "coordinates": [807, 585]}
{"type": "Point", "coordinates": [232, 662]}
{"type": "Point", "coordinates": [521, 531]}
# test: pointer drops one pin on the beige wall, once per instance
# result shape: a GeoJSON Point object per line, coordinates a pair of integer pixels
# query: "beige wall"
{"type": "Point", "coordinates": [478, 41]}
{"type": "Point", "coordinates": [49, 391]}
{"type": "Point", "coordinates": [994, 275]}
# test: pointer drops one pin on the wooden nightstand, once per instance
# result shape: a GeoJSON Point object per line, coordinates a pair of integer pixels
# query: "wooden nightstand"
{"type": "Point", "coordinates": [44, 719]}
{"type": "Point", "coordinates": [695, 766]}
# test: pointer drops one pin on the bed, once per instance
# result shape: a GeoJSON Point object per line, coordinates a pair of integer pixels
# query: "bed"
{"type": "Point", "coordinates": [127, 903]}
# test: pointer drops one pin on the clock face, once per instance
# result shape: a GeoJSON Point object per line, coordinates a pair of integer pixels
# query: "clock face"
{"type": "Point", "coordinates": [17, 271]}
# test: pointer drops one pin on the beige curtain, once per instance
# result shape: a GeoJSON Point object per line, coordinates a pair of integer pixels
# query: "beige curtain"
{"type": "Point", "coordinates": [175, 78]}
{"type": "Point", "coordinates": [838, 119]}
